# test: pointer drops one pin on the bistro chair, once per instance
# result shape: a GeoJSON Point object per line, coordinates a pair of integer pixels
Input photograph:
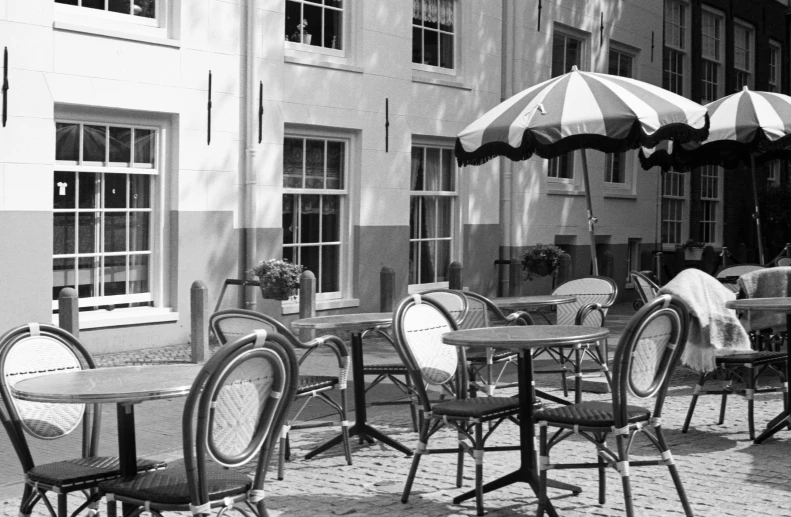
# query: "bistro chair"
{"type": "Point", "coordinates": [232, 415]}
{"type": "Point", "coordinates": [230, 324]}
{"type": "Point", "coordinates": [595, 295]}
{"type": "Point", "coordinates": [418, 325]}
{"type": "Point", "coordinates": [38, 349]}
{"type": "Point", "coordinates": [647, 354]}
{"type": "Point", "coordinates": [645, 287]}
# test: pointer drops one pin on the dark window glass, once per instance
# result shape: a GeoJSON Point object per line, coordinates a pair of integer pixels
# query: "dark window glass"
{"type": "Point", "coordinates": [94, 143]}
{"type": "Point", "coordinates": [64, 189]}
{"type": "Point", "coordinates": [114, 232]}
{"type": "Point", "coordinates": [114, 275]}
{"type": "Point", "coordinates": [88, 223]}
{"type": "Point", "coordinates": [67, 141]}
{"type": "Point", "coordinates": [63, 234]}
{"type": "Point", "coordinates": [120, 145]}
{"type": "Point", "coordinates": [115, 190]}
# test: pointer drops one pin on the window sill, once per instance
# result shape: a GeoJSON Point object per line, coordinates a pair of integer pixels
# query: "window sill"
{"type": "Point", "coordinates": [322, 305]}
{"type": "Point", "coordinates": [323, 64]}
{"type": "Point", "coordinates": [124, 317]}
{"type": "Point", "coordinates": [450, 83]}
{"type": "Point", "coordinates": [558, 190]}
{"type": "Point", "coordinates": [620, 195]}
{"type": "Point", "coordinates": [117, 34]}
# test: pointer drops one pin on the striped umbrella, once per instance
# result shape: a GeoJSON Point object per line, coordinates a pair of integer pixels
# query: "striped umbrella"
{"type": "Point", "coordinates": [578, 111]}
{"type": "Point", "coordinates": [747, 127]}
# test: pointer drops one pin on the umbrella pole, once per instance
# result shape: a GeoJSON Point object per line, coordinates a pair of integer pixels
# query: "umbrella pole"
{"type": "Point", "coordinates": [591, 219]}
{"type": "Point", "coordinates": [757, 215]}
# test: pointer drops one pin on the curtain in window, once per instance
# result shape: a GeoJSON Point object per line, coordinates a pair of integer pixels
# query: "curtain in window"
{"type": "Point", "coordinates": [417, 10]}
{"type": "Point", "coordinates": [423, 210]}
{"type": "Point", "coordinates": [446, 14]}
{"type": "Point", "coordinates": [430, 14]}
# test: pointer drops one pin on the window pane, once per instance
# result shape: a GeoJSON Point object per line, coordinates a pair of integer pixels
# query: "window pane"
{"type": "Point", "coordinates": [572, 54]}
{"type": "Point", "coordinates": [94, 143]}
{"type": "Point", "coordinates": [335, 160]}
{"type": "Point", "coordinates": [139, 191]}
{"type": "Point", "coordinates": [89, 187]}
{"type": "Point", "coordinates": [443, 260]}
{"type": "Point", "coordinates": [446, 15]}
{"type": "Point", "coordinates": [292, 162]}
{"type": "Point", "coordinates": [331, 220]}
{"type": "Point", "coordinates": [446, 51]}
{"type": "Point", "coordinates": [330, 269]}
{"type": "Point", "coordinates": [334, 3]}
{"type": "Point", "coordinates": [312, 32]}
{"type": "Point", "coordinates": [62, 275]}
{"type": "Point", "coordinates": [120, 145]}
{"type": "Point", "coordinates": [558, 55]}
{"type": "Point", "coordinates": [145, 8]}
{"type": "Point", "coordinates": [417, 12]}
{"type": "Point", "coordinates": [293, 19]}
{"type": "Point", "coordinates": [415, 217]}
{"type": "Point", "coordinates": [430, 47]}
{"type": "Point", "coordinates": [288, 254]}
{"type": "Point", "coordinates": [417, 45]}
{"type": "Point", "coordinates": [138, 274]}
{"type": "Point", "coordinates": [414, 262]}
{"type": "Point", "coordinates": [118, 6]}
{"type": "Point", "coordinates": [289, 229]}
{"type": "Point", "coordinates": [430, 13]}
{"type": "Point", "coordinates": [309, 257]}
{"type": "Point", "coordinates": [67, 2]}
{"type": "Point", "coordinates": [88, 276]}
{"type": "Point", "coordinates": [416, 183]}
{"type": "Point", "coordinates": [64, 189]}
{"type": "Point", "coordinates": [314, 164]}
{"type": "Point", "coordinates": [333, 21]}
{"type": "Point", "coordinates": [88, 234]}
{"type": "Point", "coordinates": [309, 220]}
{"type": "Point", "coordinates": [67, 142]}
{"type": "Point", "coordinates": [145, 148]}
{"type": "Point", "coordinates": [432, 169]}
{"type": "Point", "coordinates": [427, 254]}
{"type": "Point", "coordinates": [114, 232]}
{"type": "Point", "coordinates": [447, 171]}
{"type": "Point", "coordinates": [444, 216]}
{"type": "Point", "coordinates": [115, 191]}
{"type": "Point", "coordinates": [63, 234]}
{"type": "Point", "coordinates": [114, 275]}
{"type": "Point", "coordinates": [139, 225]}
{"type": "Point", "coordinates": [93, 4]}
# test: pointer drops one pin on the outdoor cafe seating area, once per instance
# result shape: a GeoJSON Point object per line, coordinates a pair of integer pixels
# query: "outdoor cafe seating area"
{"type": "Point", "coordinates": [504, 423]}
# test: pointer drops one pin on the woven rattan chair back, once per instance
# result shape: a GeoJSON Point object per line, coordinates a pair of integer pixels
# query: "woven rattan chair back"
{"type": "Point", "coordinates": [592, 289]}
{"type": "Point", "coordinates": [783, 261]}
{"type": "Point", "coordinates": [738, 270]}
{"type": "Point", "coordinates": [236, 407]}
{"type": "Point", "coordinates": [647, 353]}
{"type": "Point", "coordinates": [453, 301]}
{"type": "Point", "coordinates": [645, 287]}
{"type": "Point", "coordinates": [231, 324]}
{"type": "Point", "coordinates": [34, 350]}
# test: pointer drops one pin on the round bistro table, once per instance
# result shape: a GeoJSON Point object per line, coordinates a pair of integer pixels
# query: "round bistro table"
{"type": "Point", "coordinates": [782, 305]}
{"type": "Point", "coordinates": [356, 324]}
{"type": "Point", "coordinates": [524, 339]}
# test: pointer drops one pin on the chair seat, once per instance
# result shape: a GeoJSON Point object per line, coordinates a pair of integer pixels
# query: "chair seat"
{"type": "Point", "coordinates": [74, 473]}
{"type": "Point", "coordinates": [385, 368]}
{"type": "Point", "coordinates": [315, 382]}
{"type": "Point", "coordinates": [756, 358]}
{"type": "Point", "coordinates": [478, 407]}
{"type": "Point", "coordinates": [590, 414]}
{"type": "Point", "coordinates": [169, 486]}
{"type": "Point", "coordinates": [479, 356]}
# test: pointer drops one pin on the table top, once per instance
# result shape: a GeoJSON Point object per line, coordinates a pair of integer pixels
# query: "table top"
{"type": "Point", "coordinates": [529, 302]}
{"type": "Point", "coordinates": [361, 321]}
{"type": "Point", "coordinates": [524, 337]}
{"type": "Point", "coordinates": [123, 384]}
{"type": "Point", "coordinates": [761, 304]}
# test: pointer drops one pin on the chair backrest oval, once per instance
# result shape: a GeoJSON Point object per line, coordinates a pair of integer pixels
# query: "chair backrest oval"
{"type": "Point", "coordinates": [31, 355]}
{"type": "Point", "coordinates": [453, 301]}
{"type": "Point", "coordinates": [783, 261]}
{"type": "Point", "coordinates": [231, 324]}
{"type": "Point", "coordinates": [645, 287]}
{"type": "Point", "coordinates": [592, 289]}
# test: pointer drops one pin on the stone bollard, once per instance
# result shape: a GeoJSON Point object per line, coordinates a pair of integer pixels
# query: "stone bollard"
{"type": "Point", "coordinates": [515, 277]}
{"type": "Point", "coordinates": [69, 311]}
{"type": "Point", "coordinates": [455, 276]}
{"type": "Point", "coordinates": [387, 289]}
{"type": "Point", "coordinates": [199, 322]}
{"type": "Point", "coordinates": [564, 272]}
{"type": "Point", "coordinates": [307, 302]}
{"type": "Point", "coordinates": [709, 259]}
{"type": "Point", "coordinates": [608, 264]}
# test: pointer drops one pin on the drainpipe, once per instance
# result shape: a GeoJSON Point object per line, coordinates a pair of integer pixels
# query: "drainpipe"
{"type": "Point", "coordinates": [506, 165]}
{"type": "Point", "coordinates": [249, 201]}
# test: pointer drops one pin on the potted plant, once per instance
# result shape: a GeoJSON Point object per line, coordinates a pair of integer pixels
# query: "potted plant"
{"type": "Point", "coordinates": [279, 278]}
{"type": "Point", "coordinates": [541, 260]}
{"type": "Point", "coordinates": [301, 34]}
{"type": "Point", "coordinates": [693, 250]}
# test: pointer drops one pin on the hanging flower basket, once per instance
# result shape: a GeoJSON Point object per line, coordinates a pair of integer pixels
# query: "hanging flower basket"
{"type": "Point", "coordinates": [541, 260]}
{"type": "Point", "coordinates": [279, 279]}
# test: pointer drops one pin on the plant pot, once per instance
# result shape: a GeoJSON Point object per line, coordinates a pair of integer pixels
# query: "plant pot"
{"type": "Point", "coordinates": [541, 268]}
{"type": "Point", "coordinates": [277, 291]}
{"type": "Point", "coordinates": [306, 38]}
{"type": "Point", "coordinates": [693, 253]}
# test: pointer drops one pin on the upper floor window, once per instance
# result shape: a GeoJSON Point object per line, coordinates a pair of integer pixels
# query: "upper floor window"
{"type": "Point", "coordinates": [675, 51]}
{"type": "Point", "coordinates": [743, 45]}
{"type": "Point", "coordinates": [566, 52]}
{"type": "Point", "coordinates": [775, 67]}
{"type": "Point", "coordinates": [673, 204]}
{"type": "Point", "coordinates": [709, 202]}
{"type": "Point", "coordinates": [314, 208]}
{"type": "Point", "coordinates": [142, 8]}
{"type": "Point", "coordinates": [104, 214]}
{"type": "Point", "coordinates": [712, 54]}
{"type": "Point", "coordinates": [773, 174]}
{"type": "Point", "coordinates": [620, 63]}
{"type": "Point", "coordinates": [432, 220]}
{"type": "Point", "coordinates": [315, 22]}
{"type": "Point", "coordinates": [433, 33]}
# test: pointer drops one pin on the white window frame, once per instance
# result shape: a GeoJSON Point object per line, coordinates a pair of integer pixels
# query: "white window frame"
{"type": "Point", "coordinates": [627, 159]}
{"type": "Point", "coordinates": [775, 75]}
{"type": "Point", "coordinates": [749, 49]}
{"type": "Point", "coordinates": [681, 180]}
{"type": "Point", "coordinates": [773, 173]}
{"type": "Point", "coordinates": [455, 70]}
{"type": "Point", "coordinates": [455, 229]}
{"type": "Point", "coordinates": [715, 58]}
{"type": "Point", "coordinates": [345, 265]}
{"type": "Point", "coordinates": [296, 48]}
{"type": "Point", "coordinates": [159, 224]}
{"type": "Point", "coordinates": [125, 26]}
{"type": "Point", "coordinates": [712, 194]}
{"type": "Point", "coordinates": [679, 48]}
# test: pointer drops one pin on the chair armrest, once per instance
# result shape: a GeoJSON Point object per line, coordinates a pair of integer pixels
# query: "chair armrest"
{"type": "Point", "coordinates": [587, 309]}
{"type": "Point", "coordinates": [519, 318]}
{"type": "Point", "coordinates": [335, 344]}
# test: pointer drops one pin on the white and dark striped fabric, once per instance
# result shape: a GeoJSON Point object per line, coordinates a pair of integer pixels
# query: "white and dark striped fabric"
{"type": "Point", "coordinates": [741, 124]}
{"type": "Point", "coordinates": [581, 110]}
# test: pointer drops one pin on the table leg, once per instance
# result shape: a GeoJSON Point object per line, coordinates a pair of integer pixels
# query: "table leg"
{"type": "Point", "coordinates": [360, 428]}
{"type": "Point", "coordinates": [784, 418]}
{"type": "Point", "coordinates": [526, 472]}
{"type": "Point", "coordinates": [127, 447]}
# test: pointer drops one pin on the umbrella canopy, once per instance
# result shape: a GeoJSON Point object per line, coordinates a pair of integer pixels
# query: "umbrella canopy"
{"type": "Point", "coordinates": [577, 111]}
{"type": "Point", "coordinates": [747, 127]}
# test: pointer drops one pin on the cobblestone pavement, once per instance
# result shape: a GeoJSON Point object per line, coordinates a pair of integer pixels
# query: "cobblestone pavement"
{"type": "Point", "coordinates": [723, 472]}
